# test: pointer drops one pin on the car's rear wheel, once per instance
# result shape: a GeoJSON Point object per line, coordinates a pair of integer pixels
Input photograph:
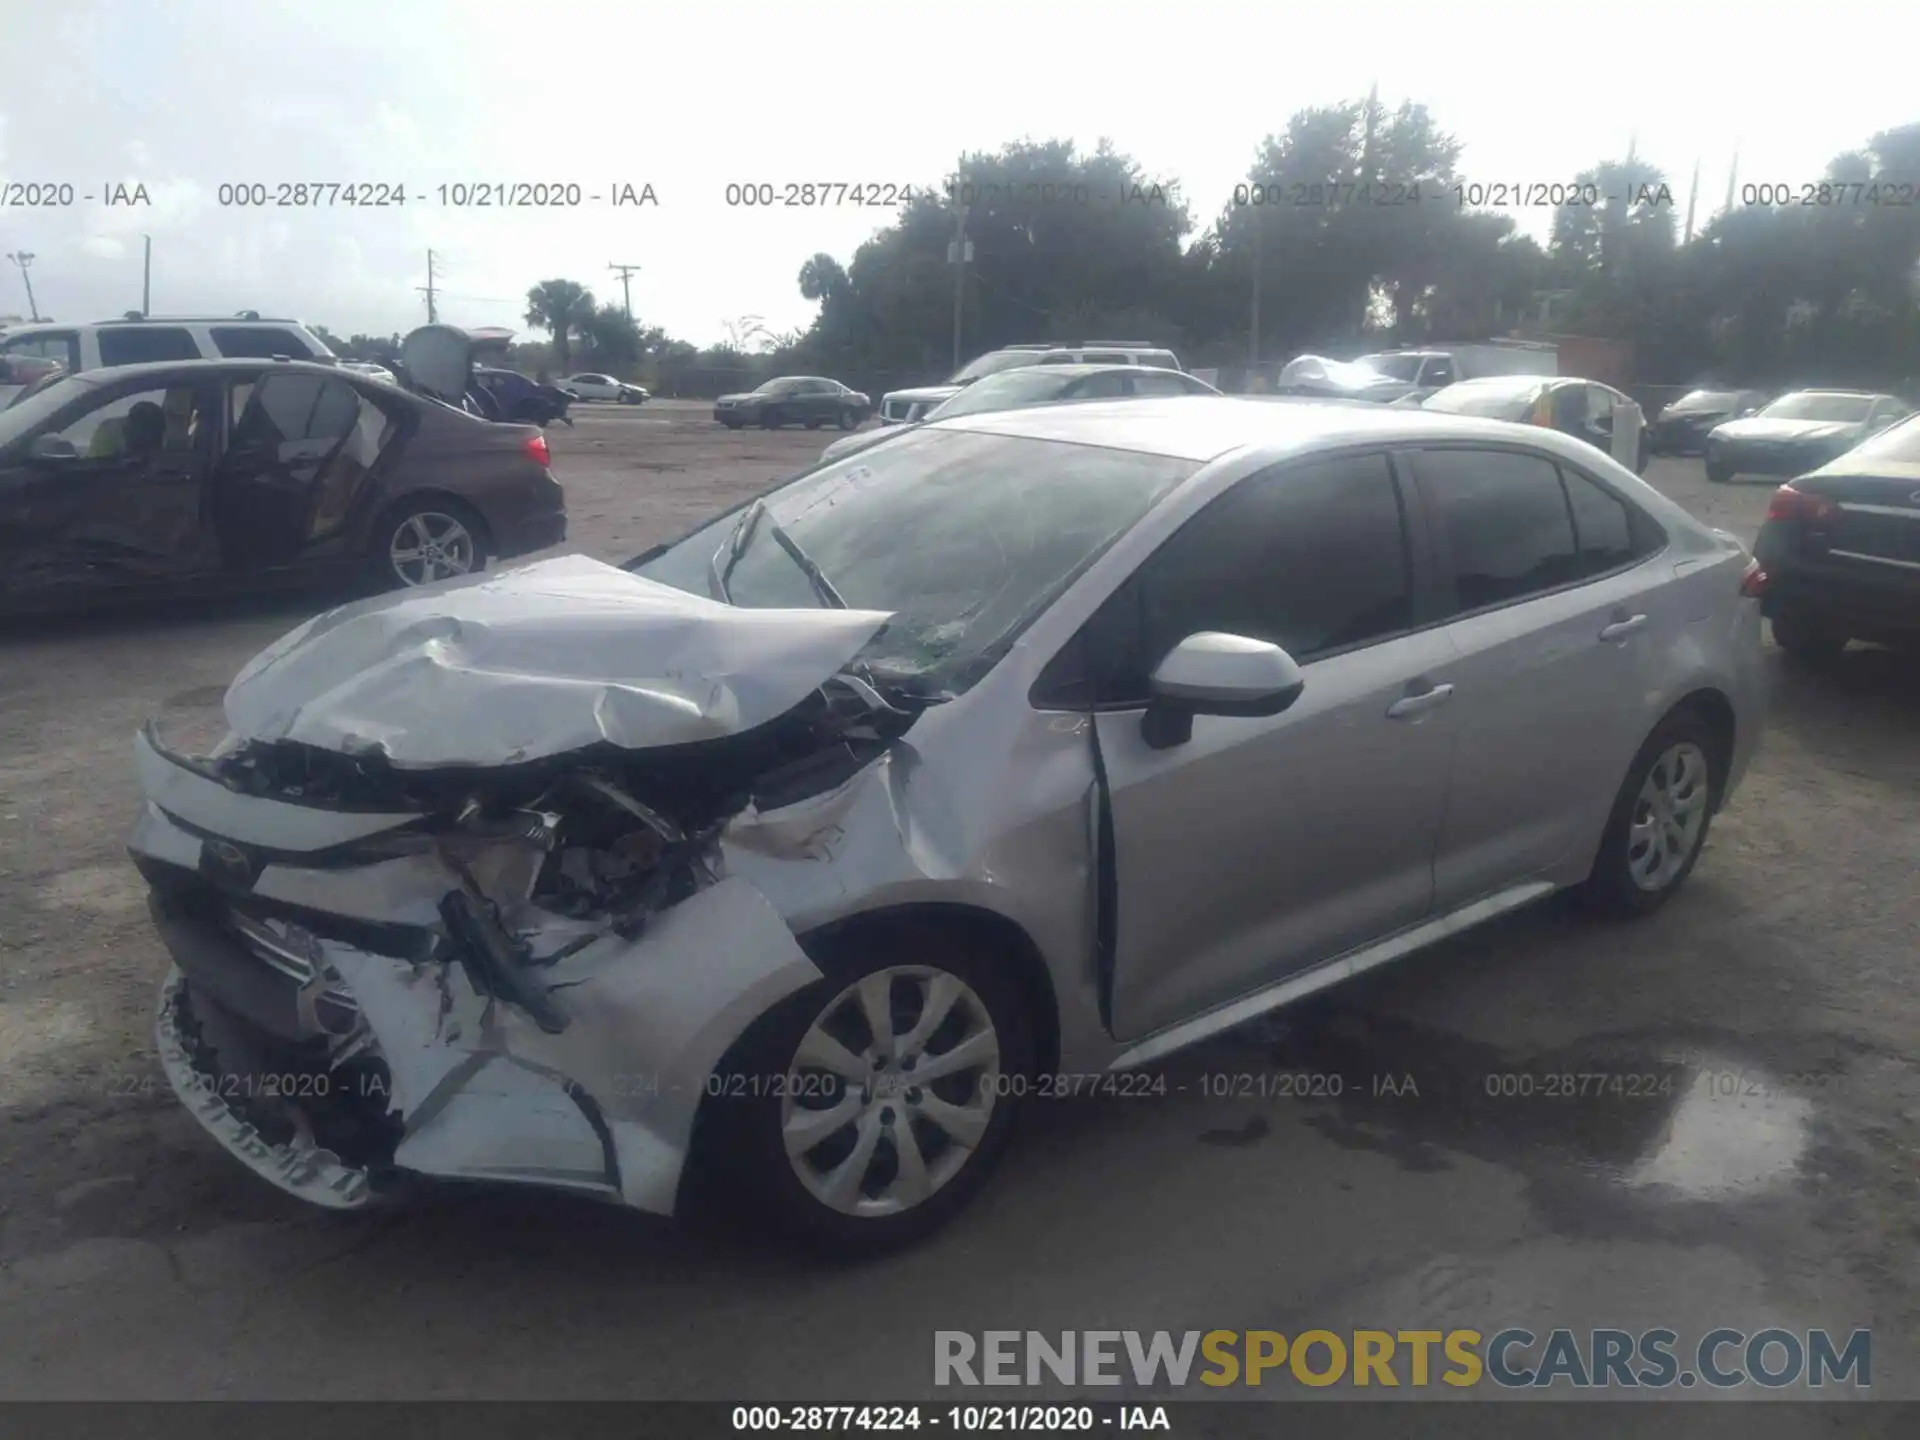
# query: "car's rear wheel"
{"type": "Point", "coordinates": [1659, 821]}
{"type": "Point", "coordinates": [864, 1112]}
{"type": "Point", "coordinates": [428, 539]}
{"type": "Point", "coordinates": [771, 419]}
{"type": "Point", "coordinates": [849, 418]}
{"type": "Point", "coordinates": [1807, 640]}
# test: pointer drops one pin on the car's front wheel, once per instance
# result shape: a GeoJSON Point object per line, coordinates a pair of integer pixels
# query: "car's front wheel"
{"type": "Point", "coordinates": [1808, 640]}
{"type": "Point", "coordinates": [432, 538]}
{"type": "Point", "coordinates": [1660, 818]}
{"type": "Point", "coordinates": [1718, 474]}
{"type": "Point", "coordinates": [864, 1112]}
{"type": "Point", "coordinates": [849, 418]}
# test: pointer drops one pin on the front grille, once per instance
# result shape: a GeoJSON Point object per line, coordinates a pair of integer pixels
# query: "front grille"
{"type": "Point", "coordinates": [281, 948]}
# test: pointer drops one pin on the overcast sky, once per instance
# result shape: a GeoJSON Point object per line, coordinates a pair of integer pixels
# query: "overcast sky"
{"type": "Point", "coordinates": [190, 94]}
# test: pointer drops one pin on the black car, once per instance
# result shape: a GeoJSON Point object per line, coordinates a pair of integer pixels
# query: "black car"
{"type": "Point", "coordinates": [1584, 409]}
{"type": "Point", "coordinates": [808, 400]}
{"type": "Point", "coordinates": [1840, 550]}
{"type": "Point", "coordinates": [520, 400]}
{"type": "Point", "coordinates": [211, 473]}
{"type": "Point", "coordinates": [1798, 432]}
{"type": "Point", "coordinates": [1681, 428]}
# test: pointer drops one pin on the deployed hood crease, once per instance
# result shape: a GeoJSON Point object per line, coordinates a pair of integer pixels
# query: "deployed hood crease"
{"type": "Point", "coordinates": [534, 662]}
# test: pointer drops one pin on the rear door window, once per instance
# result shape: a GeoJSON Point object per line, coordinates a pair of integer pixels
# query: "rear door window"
{"type": "Point", "coordinates": [1504, 522]}
{"type": "Point", "coordinates": [143, 344]}
{"type": "Point", "coordinates": [258, 342]}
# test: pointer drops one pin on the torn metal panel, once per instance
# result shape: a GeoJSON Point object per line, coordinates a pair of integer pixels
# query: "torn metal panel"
{"type": "Point", "coordinates": [205, 804]}
{"type": "Point", "coordinates": [535, 662]}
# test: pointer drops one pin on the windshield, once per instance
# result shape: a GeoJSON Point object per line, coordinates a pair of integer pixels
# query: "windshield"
{"type": "Point", "coordinates": [1901, 444]}
{"type": "Point", "coordinates": [1498, 400]}
{"type": "Point", "coordinates": [36, 403]}
{"type": "Point", "coordinates": [1398, 367]}
{"type": "Point", "coordinates": [964, 537]}
{"type": "Point", "coordinates": [994, 363]}
{"type": "Point", "coordinates": [1034, 385]}
{"type": "Point", "coordinates": [1809, 406]}
{"type": "Point", "coordinates": [1705, 400]}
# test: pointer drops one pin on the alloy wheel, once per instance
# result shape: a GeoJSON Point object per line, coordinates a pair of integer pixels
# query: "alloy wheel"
{"type": "Point", "coordinates": [891, 1090]}
{"type": "Point", "coordinates": [1669, 816]}
{"type": "Point", "coordinates": [429, 546]}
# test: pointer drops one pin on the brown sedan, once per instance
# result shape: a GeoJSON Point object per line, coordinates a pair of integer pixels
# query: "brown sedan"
{"type": "Point", "coordinates": [240, 472]}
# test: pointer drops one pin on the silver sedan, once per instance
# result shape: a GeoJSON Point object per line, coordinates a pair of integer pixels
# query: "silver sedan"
{"type": "Point", "coordinates": [790, 857]}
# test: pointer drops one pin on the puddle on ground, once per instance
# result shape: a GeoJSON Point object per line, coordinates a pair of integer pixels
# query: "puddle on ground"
{"type": "Point", "coordinates": [1735, 1132]}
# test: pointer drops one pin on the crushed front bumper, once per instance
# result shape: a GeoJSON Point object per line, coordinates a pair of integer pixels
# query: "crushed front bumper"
{"type": "Point", "coordinates": [351, 1046]}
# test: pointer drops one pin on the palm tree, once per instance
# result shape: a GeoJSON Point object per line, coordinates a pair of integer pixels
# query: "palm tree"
{"type": "Point", "coordinates": [561, 308]}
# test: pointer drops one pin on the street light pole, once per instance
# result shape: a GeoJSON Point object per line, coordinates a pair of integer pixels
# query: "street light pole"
{"type": "Point", "coordinates": [24, 258]}
{"type": "Point", "coordinates": [146, 278]}
{"type": "Point", "coordinates": [959, 252]}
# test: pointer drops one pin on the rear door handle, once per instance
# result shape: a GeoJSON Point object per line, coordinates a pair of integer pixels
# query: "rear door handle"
{"type": "Point", "coordinates": [1410, 706]}
{"type": "Point", "coordinates": [1621, 629]}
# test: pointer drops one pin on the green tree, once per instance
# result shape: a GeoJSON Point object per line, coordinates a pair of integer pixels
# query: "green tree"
{"type": "Point", "coordinates": [563, 308]}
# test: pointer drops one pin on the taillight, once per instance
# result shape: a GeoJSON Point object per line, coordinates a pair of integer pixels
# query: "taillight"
{"type": "Point", "coordinates": [1753, 584]}
{"type": "Point", "coordinates": [537, 447]}
{"type": "Point", "coordinates": [1791, 504]}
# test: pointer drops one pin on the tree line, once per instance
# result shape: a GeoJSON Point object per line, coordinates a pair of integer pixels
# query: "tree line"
{"type": "Point", "coordinates": [1356, 227]}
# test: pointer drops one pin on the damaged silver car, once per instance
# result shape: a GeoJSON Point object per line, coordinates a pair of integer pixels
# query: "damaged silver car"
{"type": "Point", "coordinates": [788, 856]}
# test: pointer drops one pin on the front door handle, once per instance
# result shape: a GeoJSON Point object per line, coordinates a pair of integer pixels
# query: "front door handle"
{"type": "Point", "coordinates": [1411, 706]}
{"type": "Point", "coordinates": [1621, 629]}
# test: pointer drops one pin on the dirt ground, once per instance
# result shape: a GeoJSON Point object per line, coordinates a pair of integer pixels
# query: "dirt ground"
{"type": "Point", "coordinates": [1772, 1180]}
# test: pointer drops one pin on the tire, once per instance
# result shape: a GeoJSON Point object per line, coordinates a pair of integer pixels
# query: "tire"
{"type": "Point", "coordinates": [1718, 474]}
{"type": "Point", "coordinates": [771, 419]}
{"type": "Point", "coordinates": [767, 1083]}
{"type": "Point", "coordinates": [1806, 640]}
{"type": "Point", "coordinates": [849, 418]}
{"type": "Point", "coordinates": [1627, 880]}
{"type": "Point", "coordinates": [431, 512]}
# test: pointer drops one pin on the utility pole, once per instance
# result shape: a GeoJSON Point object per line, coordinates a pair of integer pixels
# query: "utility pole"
{"type": "Point", "coordinates": [1693, 198]}
{"type": "Point", "coordinates": [1733, 174]}
{"type": "Point", "coordinates": [959, 252]}
{"type": "Point", "coordinates": [146, 278]}
{"type": "Point", "coordinates": [626, 284]}
{"type": "Point", "coordinates": [433, 315]}
{"type": "Point", "coordinates": [1253, 320]}
{"type": "Point", "coordinates": [24, 258]}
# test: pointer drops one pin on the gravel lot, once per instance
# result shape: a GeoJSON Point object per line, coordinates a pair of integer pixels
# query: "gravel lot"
{"type": "Point", "coordinates": [1775, 1184]}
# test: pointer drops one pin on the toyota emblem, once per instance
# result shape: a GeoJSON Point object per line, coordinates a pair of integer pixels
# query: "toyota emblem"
{"type": "Point", "coordinates": [232, 861]}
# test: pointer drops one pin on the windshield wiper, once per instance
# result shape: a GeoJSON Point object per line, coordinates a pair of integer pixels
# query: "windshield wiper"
{"type": "Point", "coordinates": [742, 536]}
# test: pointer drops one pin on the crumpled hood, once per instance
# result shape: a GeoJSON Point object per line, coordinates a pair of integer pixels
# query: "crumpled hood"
{"type": "Point", "coordinates": [534, 662]}
{"type": "Point", "coordinates": [1772, 431]}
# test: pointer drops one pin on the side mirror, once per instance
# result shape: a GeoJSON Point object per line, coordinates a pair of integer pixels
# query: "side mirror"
{"type": "Point", "coordinates": [1211, 673]}
{"type": "Point", "coordinates": [52, 447]}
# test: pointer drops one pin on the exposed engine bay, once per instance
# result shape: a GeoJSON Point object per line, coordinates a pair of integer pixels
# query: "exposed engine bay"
{"type": "Point", "coordinates": [520, 971]}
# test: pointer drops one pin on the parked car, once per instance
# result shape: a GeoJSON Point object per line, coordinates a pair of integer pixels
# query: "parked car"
{"type": "Point", "coordinates": [520, 399]}
{"type": "Point", "coordinates": [1039, 385]}
{"type": "Point", "coordinates": [136, 339]}
{"type": "Point", "coordinates": [1389, 375]}
{"type": "Point", "coordinates": [1841, 549]}
{"type": "Point", "coordinates": [1584, 409]}
{"type": "Point", "coordinates": [1798, 432]}
{"type": "Point", "coordinates": [371, 370]}
{"type": "Point", "coordinates": [243, 472]}
{"type": "Point", "coordinates": [1208, 704]}
{"type": "Point", "coordinates": [809, 400]}
{"type": "Point", "coordinates": [904, 407]}
{"type": "Point", "coordinates": [1681, 427]}
{"type": "Point", "coordinates": [604, 387]}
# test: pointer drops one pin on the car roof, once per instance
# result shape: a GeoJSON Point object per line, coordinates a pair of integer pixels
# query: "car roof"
{"type": "Point", "coordinates": [114, 374]}
{"type": "Point", "coordinates": [1205, 427]}
{"type": "Point", "coordinates": [1839, 394]}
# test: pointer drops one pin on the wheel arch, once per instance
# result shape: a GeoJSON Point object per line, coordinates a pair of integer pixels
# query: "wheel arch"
{"type": "Point", "coordinates": [985, 930]}
{"type": "Point", "coordinates": [426, 496]}
{"type": "Point", "coordinates": [1713, 707]}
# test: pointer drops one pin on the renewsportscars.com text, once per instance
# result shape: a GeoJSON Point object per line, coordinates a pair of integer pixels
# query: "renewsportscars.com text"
{"type": "Point", "coordinates": [1513, 1358]}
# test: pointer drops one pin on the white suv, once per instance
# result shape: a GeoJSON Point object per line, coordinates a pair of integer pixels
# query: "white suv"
{"type": "Point", "coordinates": [29, 351]}
{"type": "Point", "coordinates": [903, 407]}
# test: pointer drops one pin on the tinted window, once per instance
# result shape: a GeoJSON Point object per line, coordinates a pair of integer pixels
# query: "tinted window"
{"type": "Point", "coordinates": [1505, 523]}
{"type": "Point", "coordinates": [298, 417]}
{"type": "Point", "coordinates": [1163, 359]}
{"type": "Point", "coordinates": [1440, 372]}
{"type": "Point", "coordinates": [1312, 557]}
{"type": "Point", "coordinates": [138, 344]}
{"type": "Point", "coordinates": [1106, 357]}
{"type": "Point", "coordinates": [256, 342]}
{"type": "Point", "coordinates": [1603, 529]}
{"type": "Point", "coordinates": [61, 348]}
{"type": "Point", "coordinates": [146, 423]}
{"type": "Point", "coordinates": [1099, 387]}
{"type": "Point", "coordinates": [1160, 382]}
{"type": "Point", "coordinates": [1064, 357]}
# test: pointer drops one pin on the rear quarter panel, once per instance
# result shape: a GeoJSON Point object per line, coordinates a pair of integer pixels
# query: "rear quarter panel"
{"type": "Point", "coordinates": [481, 462]}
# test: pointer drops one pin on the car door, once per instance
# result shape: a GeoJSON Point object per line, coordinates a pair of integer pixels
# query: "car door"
{"type": "Point", "coordinates": [111, 494]}
{"type": "Point", "coordinates": [288, 434]}
{"type": "Point", "coordinates": [1553, 615]}
{"type": "Point", "coordinates": [1261, 846]}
